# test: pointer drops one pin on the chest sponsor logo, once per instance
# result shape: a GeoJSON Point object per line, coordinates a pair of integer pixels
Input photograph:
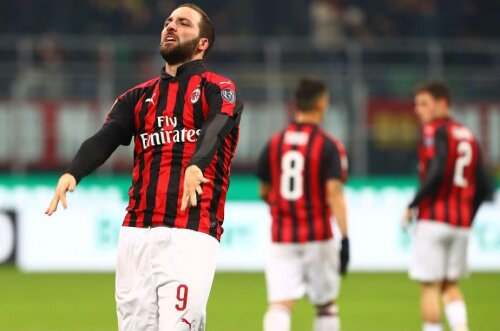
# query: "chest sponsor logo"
{"type": "Point", "coordinates": [168, 133]}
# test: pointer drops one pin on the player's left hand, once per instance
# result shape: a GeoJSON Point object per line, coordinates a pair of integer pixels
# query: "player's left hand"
{"type": "Point", "coordinates": [193, 178]}
{"type": "Point", "coordinates": [344, 255]}
{"type": "Point", "coordinates": [407, 218]}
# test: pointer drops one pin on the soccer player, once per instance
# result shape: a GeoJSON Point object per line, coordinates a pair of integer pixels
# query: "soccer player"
{"type": "Point", "coordinates": [302, 171]}
{"type": "Point", "coordinates": [453, 185]}
{"type": "Point", "coordinates": [185, 126]}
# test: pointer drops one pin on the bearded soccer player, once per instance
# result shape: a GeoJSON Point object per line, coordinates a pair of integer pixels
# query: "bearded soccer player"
{"type": "Point", "coordinates": [302, 172]}
{"type": "Point", "coordinates": [185, 127]}
{"type": "Point", "coordinates": [454, 183]}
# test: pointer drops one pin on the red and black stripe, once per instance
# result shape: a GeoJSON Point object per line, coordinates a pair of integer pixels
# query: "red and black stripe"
{"type": "Point", "coordinates": [448, 202]}
{"type": "Point", "coordinates": [308, 217]}
{"type": "Point", "coordinates": [157, 179]}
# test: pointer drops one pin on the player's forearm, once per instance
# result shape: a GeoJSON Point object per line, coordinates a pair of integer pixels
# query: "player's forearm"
{"type": "Point", "coordinates": [95, 150]}
{"type": "Point", "coordinates": [339, 209]}
{"type": "Point", "coordinates": [211, 137]}
{"type": "Point", "coordinates": [430, 184]}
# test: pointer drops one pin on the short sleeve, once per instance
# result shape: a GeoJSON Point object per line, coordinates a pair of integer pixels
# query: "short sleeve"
{"type": "Point", "coordinates": [223, 97]}
{"type": "Point", "coordinates": [263, 165]}
{"type": "Point", "coordinates": [122, 113]}
{"type": "Point", "coordinates": [334, 165]}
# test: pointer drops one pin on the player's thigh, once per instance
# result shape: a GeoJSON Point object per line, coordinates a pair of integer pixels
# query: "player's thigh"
{"type": "Point", "coordinates": [430, 247]}
{"type": "Point", "coordinates": [184, 267]}
{"type": "Point", "coordinates": [457, 257]}
{"type": "Point", "coordinates": [284, 273]}
{"type": "Point", "coordinates": [322, 271]}
{"type": "Point", "coordinates": [136, 300]}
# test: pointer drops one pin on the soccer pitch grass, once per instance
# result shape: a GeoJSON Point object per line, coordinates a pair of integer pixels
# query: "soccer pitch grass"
{"type": "Point", "coordinates": [369, 302]}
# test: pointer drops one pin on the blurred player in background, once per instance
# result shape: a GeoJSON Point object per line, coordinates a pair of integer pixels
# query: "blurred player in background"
{"type": "Point", "coordinates": [302, 172]}
{"type": "Point", "coordinates": [454, 183]}
{"type": "Point", "coordinates": [185, 127]}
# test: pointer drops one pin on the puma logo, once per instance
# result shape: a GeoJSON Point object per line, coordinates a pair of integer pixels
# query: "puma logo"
{"type": "Point", "coordinates": [186, 321]}
{"type": "Point", "coordinates": [151, 99]}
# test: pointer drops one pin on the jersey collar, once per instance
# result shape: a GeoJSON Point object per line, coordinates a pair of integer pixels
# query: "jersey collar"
{"type": "Point", "coordinates": [185, 70]}
{"type": "Point", "coordinates": [440, 120]}
{"type": "Point", "coordinates": [304, 123]}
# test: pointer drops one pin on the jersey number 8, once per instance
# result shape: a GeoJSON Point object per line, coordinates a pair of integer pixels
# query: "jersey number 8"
{"type": "Point", "coordinates": [464, 159]}
{"type": "Point", "coordinates": [291, 181]}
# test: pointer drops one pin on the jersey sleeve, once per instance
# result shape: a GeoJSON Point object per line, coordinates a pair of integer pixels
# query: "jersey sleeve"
{"type": "Point", "coordinates": [264, 166]}
{"type": "Point", "coordinates": [213, 133]}
{"type": "Point", "coordinates": [436, 148]}
{"type": "Point", "coordinates": [122, 113]}
{"type": "Point", "coordinates": [223, 98]}
{"type": "Point", "coordinates": [334, 163]}
{"type": "Point", "coordinates": [95, 151]}
{"type": "Point", "coordinates": [485, 182]}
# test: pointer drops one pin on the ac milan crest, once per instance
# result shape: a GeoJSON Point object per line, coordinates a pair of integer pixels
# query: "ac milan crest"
{"type": "Point", "coordinates": [195, 96]}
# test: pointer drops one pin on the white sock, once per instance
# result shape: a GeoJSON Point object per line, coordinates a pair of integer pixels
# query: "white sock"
{"type": "Point", "coordinates": [277, 318]}
{"type": "Point", "coordinates": [329, 321]}
{"type": "Point", "coordinates": [456, 313]}
{"type": "Point", "coordinates": [432, 327]}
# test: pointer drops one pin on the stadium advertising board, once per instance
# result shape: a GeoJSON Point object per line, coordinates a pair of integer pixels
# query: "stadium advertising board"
{"type": "Point", "coordinates": [7, 236]}
{"type": "Point", "coordinates": [84, 237]}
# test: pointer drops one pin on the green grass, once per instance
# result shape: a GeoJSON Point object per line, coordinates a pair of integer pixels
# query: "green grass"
{"type": "Point", "coordinates": [369, 302]}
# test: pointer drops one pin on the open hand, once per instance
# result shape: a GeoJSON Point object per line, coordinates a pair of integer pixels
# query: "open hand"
{"type": "Point", "coordinates": [193, 178]}
{"type": "Point", "coordinates": [407, 218]}
{"type": "Point", "coordinates": [66, 183]}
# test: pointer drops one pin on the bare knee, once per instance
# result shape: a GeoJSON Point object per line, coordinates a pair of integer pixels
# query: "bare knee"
{"type": "Point", "coordinates": [451, 291]}
{"type": "Point", "coordinates": [287, 304]}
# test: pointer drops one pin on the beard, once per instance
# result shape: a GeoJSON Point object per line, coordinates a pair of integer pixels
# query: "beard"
{"type": "Point", "coordinates": [180, 53]}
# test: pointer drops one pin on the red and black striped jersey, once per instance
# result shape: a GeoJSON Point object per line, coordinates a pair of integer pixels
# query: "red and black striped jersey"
{"type": "Point", "coordinates": [167, 118]}
{"type": "Point", "coordinates": [297, 163]}
{"type": "Point", "coordinates": [453, 179]}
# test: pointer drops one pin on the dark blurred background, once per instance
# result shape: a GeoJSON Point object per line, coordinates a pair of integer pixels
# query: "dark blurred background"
{"type": "Point", "coordinates": [64, 62]}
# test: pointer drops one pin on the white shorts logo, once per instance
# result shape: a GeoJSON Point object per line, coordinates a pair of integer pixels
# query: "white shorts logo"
{"type": "Point", "coordinates": [228, 95]}
{"type": "Point", "coordinates": [195, 96]}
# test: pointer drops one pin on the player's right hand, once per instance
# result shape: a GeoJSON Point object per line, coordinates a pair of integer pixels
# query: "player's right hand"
{"type": "Point", "coordinates": [66, 183]}
{"type": "Point", "coordinates": [344, 255]}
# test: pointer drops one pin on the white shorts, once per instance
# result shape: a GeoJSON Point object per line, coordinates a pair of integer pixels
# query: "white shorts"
{"type": "Point", "coordinates": [294, 270]}
{"type": "Point", "coordinates": [439, 252]}
{"type": "Point", "coordinates": [163, 278]}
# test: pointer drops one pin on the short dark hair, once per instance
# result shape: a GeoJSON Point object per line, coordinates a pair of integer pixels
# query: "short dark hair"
{"type": "Point", "coordinates": [307, 93]}
{"type": "Point", "coordinates": [206, 27]}
{"type": "Point", "coordinates": [437, 89]}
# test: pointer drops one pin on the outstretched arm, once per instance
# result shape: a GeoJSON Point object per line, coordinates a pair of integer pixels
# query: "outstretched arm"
{"type": "Point", "coordinates": [92, 153]}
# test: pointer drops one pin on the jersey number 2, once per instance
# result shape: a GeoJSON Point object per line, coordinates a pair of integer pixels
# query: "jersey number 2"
{"type": "Point", "coordinates": [464, 159]}
{"type": "Point", "coordinates": [291, 181]}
